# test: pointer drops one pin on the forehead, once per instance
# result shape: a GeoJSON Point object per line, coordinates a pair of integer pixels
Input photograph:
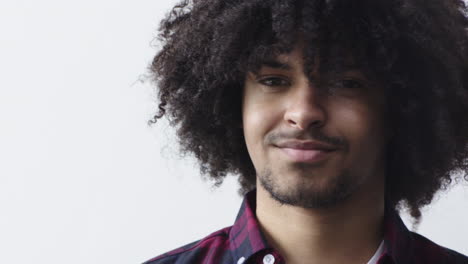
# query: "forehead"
{"type": "Point", "coordinates": [294, 61]}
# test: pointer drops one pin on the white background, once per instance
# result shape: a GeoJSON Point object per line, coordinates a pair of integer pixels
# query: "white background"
{"type": "Point", "coordinates": [83, 179]}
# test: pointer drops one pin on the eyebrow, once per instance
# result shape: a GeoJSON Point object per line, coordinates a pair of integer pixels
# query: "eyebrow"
{"type": "Point", "coordinates": [276, 64]}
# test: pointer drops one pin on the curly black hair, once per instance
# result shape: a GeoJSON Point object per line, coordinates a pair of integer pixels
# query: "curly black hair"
{"type": "Point", "coordinates": [417, 49]}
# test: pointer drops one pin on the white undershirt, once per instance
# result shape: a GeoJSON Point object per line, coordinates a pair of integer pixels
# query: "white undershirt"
{"type": "Point", "coordinates": [377, 254]}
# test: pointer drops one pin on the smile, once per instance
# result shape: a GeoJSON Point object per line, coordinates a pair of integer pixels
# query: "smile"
{"type": "Point", "coordinates": [306, 155]}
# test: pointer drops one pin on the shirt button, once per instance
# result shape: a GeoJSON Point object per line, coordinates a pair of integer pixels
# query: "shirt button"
{"type": "Point", "coordinates": [241, 260]}
{"type": "Point", "coordinates": [268, 259]}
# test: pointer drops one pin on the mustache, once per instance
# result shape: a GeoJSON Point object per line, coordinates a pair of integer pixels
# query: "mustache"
{"type": "Point", "coordinates": [315, 135]}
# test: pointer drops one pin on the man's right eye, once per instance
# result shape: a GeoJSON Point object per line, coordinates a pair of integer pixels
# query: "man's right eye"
{"type": "Point", "coordinates": [274, 81]}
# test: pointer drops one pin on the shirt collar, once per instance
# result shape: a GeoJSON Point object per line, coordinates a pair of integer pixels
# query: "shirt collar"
{"type": "Point", "coordinates": [246, 237]}
{"type": "Point", "coordinates": [397, 237]}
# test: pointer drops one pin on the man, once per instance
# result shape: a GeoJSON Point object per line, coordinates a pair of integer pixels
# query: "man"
{"type": "Point", "coordinates": [334, 114]}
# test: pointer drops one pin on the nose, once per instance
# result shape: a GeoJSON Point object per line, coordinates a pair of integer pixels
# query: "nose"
{"type": "Point", "coordinates": [305, 107]}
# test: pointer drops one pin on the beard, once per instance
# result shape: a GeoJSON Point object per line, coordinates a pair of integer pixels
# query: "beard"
{"type": "Point", "coordinates": [308, 192]}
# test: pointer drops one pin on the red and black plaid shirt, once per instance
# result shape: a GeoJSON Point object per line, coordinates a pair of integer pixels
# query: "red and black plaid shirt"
{"type": "Point", "coordinates": [244, 243]}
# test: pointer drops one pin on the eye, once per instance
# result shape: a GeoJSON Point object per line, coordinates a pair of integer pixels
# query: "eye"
{"type": "Point", "coordinates": [274, 82]}
{"type": "Point", "coordinates": [349, 84]}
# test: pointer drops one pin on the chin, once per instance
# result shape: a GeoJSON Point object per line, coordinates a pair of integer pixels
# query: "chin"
{"type": "Point", "coordinates": [307, 192]}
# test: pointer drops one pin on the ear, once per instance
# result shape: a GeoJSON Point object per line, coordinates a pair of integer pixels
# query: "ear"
{"type": "Point", "coordinates": [390, 134]}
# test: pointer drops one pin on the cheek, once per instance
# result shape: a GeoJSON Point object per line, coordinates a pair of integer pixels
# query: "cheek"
{"type": "Point", "coordinates": [253, 126]}
{"type": "Point", "coordinates": [362, 127]}
{"type": "Point", "coordinates": [258, 119]}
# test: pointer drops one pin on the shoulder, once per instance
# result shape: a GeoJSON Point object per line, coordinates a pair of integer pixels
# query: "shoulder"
{"type": "Point", "coordinates": [426, 251]}
{"type": "Point", "coordinates": [214, 248]}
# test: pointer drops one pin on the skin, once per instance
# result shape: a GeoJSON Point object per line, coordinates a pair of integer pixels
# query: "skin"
{"type": "Point", "coordinates": [330, 211]}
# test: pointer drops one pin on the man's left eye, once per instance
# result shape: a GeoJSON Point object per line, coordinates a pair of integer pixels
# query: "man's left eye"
{"type": "Point", "coordinates": [350, 84]}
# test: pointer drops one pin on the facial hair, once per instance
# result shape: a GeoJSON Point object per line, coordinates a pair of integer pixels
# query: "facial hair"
{"type": "Point", "coordinates": [308, 194]}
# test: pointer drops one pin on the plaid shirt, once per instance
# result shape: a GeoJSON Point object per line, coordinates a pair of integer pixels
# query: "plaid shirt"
{"type": "Point", "coordinates": [244, 243]}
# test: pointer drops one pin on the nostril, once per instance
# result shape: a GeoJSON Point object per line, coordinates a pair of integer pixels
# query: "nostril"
{"type": "Point", "coordinates": [305, 124]}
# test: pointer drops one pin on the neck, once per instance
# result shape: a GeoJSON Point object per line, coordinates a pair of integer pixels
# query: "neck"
{"type": "Point", "coordinates": [347, 233]}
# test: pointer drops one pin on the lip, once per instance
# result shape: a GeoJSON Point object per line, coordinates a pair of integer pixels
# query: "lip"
{"type": "Point", "coordinates": [305, 145]}
{"type": "Point", "coordinates": [306, 155]}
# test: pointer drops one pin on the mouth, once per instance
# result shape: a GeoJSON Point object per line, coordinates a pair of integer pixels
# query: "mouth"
{"type": "Point", "coordinates": [306, 155]}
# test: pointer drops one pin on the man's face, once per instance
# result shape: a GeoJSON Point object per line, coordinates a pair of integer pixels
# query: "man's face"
{"type": "Point", "coordinates": [283, 108]}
